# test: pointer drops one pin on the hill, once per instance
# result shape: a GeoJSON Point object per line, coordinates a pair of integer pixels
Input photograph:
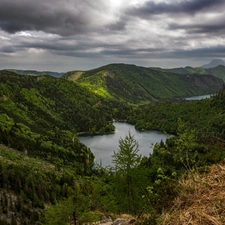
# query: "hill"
{"type": "Point", "coordinates": [43, 115]}
{"type": "Point", "coordinates": [214, 63]}
{"type": "Point", "coordinates": [218, 71]}
{"type": "Point", "coordinates": [136, 84]}
{"type": "Point", "coordinates": [52, 102]}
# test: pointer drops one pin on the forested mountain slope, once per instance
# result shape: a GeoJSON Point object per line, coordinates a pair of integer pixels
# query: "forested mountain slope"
{"type": "Point", "coordinates": [218, 71]}
{"type": "Point", "coordinates": [138, 84]}
{"type": "Point", "coordinates": [40, 117]}
{"type": "Point", "coordinates": [43, 115]}
{"type": "Point", "coordinates": [206, 115]}
{"type": "Point", "coordinates": [52, 102]}
{"type": "Point", "coordinates": [28, 186]}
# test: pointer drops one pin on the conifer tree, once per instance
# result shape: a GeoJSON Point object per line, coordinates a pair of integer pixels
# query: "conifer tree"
{"type": "Point", "coordinates": [126, 161]}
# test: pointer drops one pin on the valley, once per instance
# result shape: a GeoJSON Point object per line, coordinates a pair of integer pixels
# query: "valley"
{"type": "Point", "coordinates": [48, 175]}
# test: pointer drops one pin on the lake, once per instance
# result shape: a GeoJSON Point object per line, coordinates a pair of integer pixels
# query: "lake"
{"type": "Point", "coordinates": [199, 97]}
{"type": "Point", "coordinates": [103, 146]}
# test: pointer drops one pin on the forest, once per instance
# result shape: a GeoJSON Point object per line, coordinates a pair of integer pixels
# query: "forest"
{"type": "Point", "coordinates": [48, 177]}
{"type": "Point", "coordinates": [142, 85]}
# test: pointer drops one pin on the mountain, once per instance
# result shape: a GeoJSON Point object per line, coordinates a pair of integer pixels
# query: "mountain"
{"type": "Point", "coordinates": [137, 84]}
{"type": "Point", "coordinates": [213, 63]}
{"type": "Point", "coordinates": [187, 70]}
{"type": "Point", "coordinates": [218, 71]}
{"type": "Point", "coordinates": [43, 115]}
{"type": "Point", "coordinates": [52, 102]}
{"type": "Point", "coordinates": [36, 73]}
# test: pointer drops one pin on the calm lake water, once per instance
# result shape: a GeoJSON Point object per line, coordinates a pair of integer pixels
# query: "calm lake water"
{"type": "Point", "coordinates": [103, 146]}
{"type": "Point", "coordinates": [199, 97]}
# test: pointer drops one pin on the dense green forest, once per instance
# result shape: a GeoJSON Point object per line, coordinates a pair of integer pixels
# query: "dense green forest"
{"type": "Point", "coordinates": [138, 84]}
{"type": "Point", "coordinates": [48, 177]}
{"type": "Point", "coordinates": [207, 115]}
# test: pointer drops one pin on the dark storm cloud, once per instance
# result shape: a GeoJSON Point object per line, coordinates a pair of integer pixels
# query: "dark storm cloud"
{"type": "Point", "coordinates": [151, 8]}
{"type": "Point", "coordinates": [207, 27]}
{"type": "Point", "coordinates": [86, 33]}
{"type": "Point", "coordinates": [64, 44]}
{"type": "Point", "coordinates": [54, 46]}
{"type": "Point", "coordinates": [210, 52]}
{"type": "Point", "coordinates": [52, 16]}
{"type": "Point", "coordinates": [164, 53]}
{"type": "Point", "coordinates": [7, 49]}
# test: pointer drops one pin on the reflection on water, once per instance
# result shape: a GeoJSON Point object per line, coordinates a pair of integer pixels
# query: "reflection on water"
{"type": "Point", "coordinates": [103, 146]}
{"type": "Point", "coordinates": [199, 97]}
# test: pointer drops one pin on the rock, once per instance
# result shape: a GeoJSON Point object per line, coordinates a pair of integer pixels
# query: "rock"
{"type": "Point", "coordinates": [106, 219]}
{"type": "Point", "coordinates": [119, 221]}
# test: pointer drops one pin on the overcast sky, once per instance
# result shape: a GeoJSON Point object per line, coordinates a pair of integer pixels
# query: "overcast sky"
{"type": "Point", "coordinates": [64, 35]}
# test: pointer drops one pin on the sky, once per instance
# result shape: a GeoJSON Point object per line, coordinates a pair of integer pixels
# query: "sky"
{"type": "Point", "coordinates": [65, 35]}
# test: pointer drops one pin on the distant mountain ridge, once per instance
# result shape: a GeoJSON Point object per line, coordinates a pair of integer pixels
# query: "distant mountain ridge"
{"type": "Point", "coordinates": [213, 63]}
{"type": "Point", "coordinates": [218, 71]}
{"type": "Point", "coordinates": [36, 73]}
{"type": "Point", "coordinates": [139, 84]}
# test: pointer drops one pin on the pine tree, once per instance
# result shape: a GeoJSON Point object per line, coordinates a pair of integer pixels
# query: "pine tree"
{"type": "Point", "coordinates": [126, 161]}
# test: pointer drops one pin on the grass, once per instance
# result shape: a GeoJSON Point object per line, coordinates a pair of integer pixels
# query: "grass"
{"type": "Point", "coordinates": [12, 156]}
{"type": "Point", "coordinates": [201, 200]}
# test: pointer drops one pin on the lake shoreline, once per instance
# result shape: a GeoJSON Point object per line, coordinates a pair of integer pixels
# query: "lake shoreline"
{"type": "Point", "coordinates": [103, 146]}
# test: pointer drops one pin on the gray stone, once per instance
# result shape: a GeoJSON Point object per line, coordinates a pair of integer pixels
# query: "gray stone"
{"type": "Point", "coordinates": [119, 221]}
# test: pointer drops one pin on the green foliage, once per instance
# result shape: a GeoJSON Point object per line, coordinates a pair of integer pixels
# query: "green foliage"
{"type": "Point", "coordinates": [60, 213]}
{"type": "Point", "coordinates": [30, 183]}
{"type": "Point", "coordinates": [127, 157]}
{"type": "Point", "coordinates": [52, 102]}
{"type": "Point", "coordinates": [205, 115]}
{"type": "Point", "coordinates": [135, 84]}
{"type": "Point", "coordinates": [185, 147]}
{"type": "Point", "coordinates": [42, 116]}
{"type": "Point", "coordinates": [126, 162]}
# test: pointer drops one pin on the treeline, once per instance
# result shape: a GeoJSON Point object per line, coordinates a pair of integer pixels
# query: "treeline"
{"type": "Point", "coordinates": [206, 115]}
